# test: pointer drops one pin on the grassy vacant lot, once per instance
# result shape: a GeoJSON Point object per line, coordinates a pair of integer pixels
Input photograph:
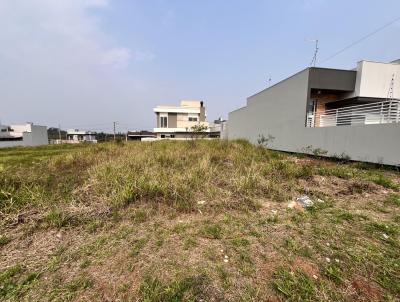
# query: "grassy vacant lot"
{"type": "Point", "coordinates": [194, 221]}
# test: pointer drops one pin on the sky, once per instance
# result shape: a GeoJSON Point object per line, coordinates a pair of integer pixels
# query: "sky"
{"type": "Point", "coordinates": [87, 63]}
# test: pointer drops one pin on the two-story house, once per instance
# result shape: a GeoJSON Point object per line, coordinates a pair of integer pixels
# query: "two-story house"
{"type": "Point", "coordinates": [178, 121]}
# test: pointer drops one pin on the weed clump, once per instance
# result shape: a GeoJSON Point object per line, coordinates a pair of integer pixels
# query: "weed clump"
{"type": "Point", "coordinates": [192, 288]}
{"type": "Point", "coordinates": [295, 286]}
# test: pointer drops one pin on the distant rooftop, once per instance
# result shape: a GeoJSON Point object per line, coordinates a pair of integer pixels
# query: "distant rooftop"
{"type": "Point", "coordinates": [186, 106]}
{"type": "Point", "coordinates": [78, 132]}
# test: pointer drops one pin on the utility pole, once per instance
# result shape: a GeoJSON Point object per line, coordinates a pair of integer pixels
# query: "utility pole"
{"type": "Point", "coordinates": [114, 129]}
{"type": "Point", "coordinates": [59, 132]}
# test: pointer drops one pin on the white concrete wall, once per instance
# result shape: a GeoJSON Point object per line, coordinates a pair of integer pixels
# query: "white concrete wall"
{"type": "Point", "coordinates": [281, 111]}
{"type": "Point", "coordinates": [373, 79]}
{"type": "Point", "coordinates": [33, 135]}
{"type": "Point", "coordinates": [39, 136]}
{"type": "Point", "coordinates": [7, 144]}
{"type": "Point", "coordinates": [20, 128]}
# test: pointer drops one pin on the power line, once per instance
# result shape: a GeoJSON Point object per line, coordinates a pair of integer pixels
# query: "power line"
{"type": "Point", "coordinates": [361, 39]}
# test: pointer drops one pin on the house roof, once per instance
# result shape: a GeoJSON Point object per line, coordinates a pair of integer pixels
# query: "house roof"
{"type": "Point", "coordinates": [141, 133]}
{"type": "Point", "coordinates": [176, 109]}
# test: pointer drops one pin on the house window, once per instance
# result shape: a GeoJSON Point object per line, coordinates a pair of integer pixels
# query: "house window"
{"type": "Point", "coordinates": [164, 120]}
{"type": "Point", "coordinates": [193, 118]}
{"type": "Point", "coordinates": [311, 108]}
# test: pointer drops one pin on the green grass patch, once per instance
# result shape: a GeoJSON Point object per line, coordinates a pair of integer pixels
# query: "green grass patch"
{"type": "Point", "coordinates": [212, 231]}
{"type": "Point", "coordinates": [392, 200]}
{"type": "Point", "coordinates": [240, 242]}
{"type": "Point", "coordinates": [58, 219]}
{"type": "Point", "coordinates": [138, 245]}
{"type": "Point", "coordinates": [385, 182]}
{"type": "Point", "coordinates": [4, 240]}
{"type": "Point", "coordinates": [294, 286]}
{"type": "Point", "coordinates": [341, 215]}
{"type": "Point", "coordinates": [386, 228]}
{"type": "Point", "coordinates": [139, 216]}
{"type": "Point", "coordinates": [15, 280]}
{"type": "Point", "coordinates": [192, 288]}
{"type": "Point", "coordinates": [189, 243]}
{"type": "Point", "coordinates": [334, 273]}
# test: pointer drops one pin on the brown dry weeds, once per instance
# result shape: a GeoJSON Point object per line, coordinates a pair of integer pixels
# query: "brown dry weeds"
{"type": "Point", "coordinates": [116, 249]}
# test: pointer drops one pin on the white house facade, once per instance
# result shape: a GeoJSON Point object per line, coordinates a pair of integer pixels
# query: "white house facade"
{"type": "Point", "coordinates": [176, 122]}
{"type": "Point", "coordinates": [23, 135]}
{"type": "Point", "coordinates": [80, 136]}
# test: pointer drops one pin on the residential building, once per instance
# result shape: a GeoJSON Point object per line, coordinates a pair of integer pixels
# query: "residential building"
{"type": "Point", "coordinates": [219, 129]}
{"type": "Point", "coordinates": [353, 113]}
{"type": "Point", "coordinates": [26, 134]}
{"type": "Point", "coordinates": [176, 122]}
{"type": "Point", "coordinates": [140, 135]}
{"type": "Point", "coordinates": [80, 136]}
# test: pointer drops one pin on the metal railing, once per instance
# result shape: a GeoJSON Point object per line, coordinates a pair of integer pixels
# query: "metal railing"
{"type": "Point", "coordinates": [384, 112]}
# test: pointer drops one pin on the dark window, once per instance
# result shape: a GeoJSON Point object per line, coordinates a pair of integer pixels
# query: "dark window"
{"type": "Point", "coordinates": [162, 135]}
{"type": "Point", "coordinates": [164, 122]}
{"type": "Point", "coordinates": [10, 138]}
{"type": "Point", "coordinates": [192, 119]}
{"type": "Point", "coordinates": [311, 106]}
{"type": "Point", "coordinates": [172, 136]}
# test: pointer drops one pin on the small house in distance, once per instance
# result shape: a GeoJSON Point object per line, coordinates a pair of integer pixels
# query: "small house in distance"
{"type": "Point", "coordinates": [219, 129]}
{"type": "Point", "coordinates": [177, 122]}
{"type": "Point", "coordinates": [140, 135]}
{"type": "Point", "coordinates": [26, 134]}
{"type": "Point", "coordinates": [80, 136]}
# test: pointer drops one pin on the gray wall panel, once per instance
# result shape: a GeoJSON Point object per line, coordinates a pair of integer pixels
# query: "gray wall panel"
{"type": "Point", "coordinates": [280, 112]}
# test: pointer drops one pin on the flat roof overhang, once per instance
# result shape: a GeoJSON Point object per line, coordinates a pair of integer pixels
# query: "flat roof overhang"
{"type": "Point", "coordinates": [175, 130]}
{"type": "Point", "coordinates": [176, 110]}
{"type": "Point", "coordinates": [332, 79]}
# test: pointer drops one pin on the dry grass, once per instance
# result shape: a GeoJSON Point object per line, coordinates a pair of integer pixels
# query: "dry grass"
{"type": "Point", "coordinates": [192, 221]}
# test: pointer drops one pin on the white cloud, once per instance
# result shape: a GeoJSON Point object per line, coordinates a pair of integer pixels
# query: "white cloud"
{"type": "Point", "coordinates": [116, 57]}
{"type": "Point", "coordinates": [96, 3]}
{"type": "Point", "coordinates": [60, 66]}
{"type": "Point", "coordinates": [62, 30]}
{"type": "Point", "coordinates": [141, 56]}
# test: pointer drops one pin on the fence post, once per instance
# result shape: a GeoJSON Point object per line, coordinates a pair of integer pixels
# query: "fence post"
{"type": "Point", "coordinates": [381, 114]}
{"type": "Point", "coordinates": [336, 115]}
{"type": "Point", "coordinates": [390, 112]}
